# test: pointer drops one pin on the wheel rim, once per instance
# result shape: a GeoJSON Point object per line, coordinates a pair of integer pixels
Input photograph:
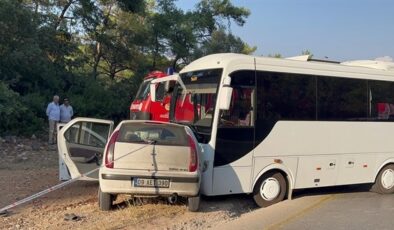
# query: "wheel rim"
{"type": "Point", "coordinates": [388, 179]}
{"type": "Point", "coordinates": [270, 189]}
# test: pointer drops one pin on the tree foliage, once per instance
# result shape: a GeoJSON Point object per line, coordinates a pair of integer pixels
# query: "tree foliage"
{"type": "Point", "coordinates": [96, 52]}
{"type": "Point", "coordinates": [222, 42]}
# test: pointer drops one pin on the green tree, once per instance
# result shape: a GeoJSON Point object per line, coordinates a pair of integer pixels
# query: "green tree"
{"type": "Point", "coordinates": [307, 52]}
{"type": "Point", "coordinates": [222, 42]}
{"type": "Point", "coordinates": [11, 109]}
{"type": "Point", "coordinates": [178, 34]}
{"type": "Point", "coordinates": [96, 52]}
{"type": "Point", "coordinates": [276, 55]}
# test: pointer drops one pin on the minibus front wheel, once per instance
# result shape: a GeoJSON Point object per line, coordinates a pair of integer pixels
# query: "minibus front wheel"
{"type": "Point", "coordinates": [384, 182]}
{"type": "Point", "coordinates": [270, 189]}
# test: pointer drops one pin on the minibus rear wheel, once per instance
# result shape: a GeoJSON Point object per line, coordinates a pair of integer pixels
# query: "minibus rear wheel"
{"type": "Point", "coordinates": [384, 183]}
{"type": "Point", "coordinates": [270, 189]}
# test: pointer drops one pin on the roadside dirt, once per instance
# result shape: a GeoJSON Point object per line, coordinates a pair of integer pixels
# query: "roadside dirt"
{"type": "Point", "coordinates": [28, 166]}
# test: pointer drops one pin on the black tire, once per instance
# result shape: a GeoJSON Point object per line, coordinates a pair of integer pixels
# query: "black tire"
{"type": "Point", "coordinates": [384, 182]}
{"type": "Point", "coordinates": [278, 195]}
{"type": "Point", "coordinates": [105, 200]}
{"type": "Point", "coordinates": [193, 203]}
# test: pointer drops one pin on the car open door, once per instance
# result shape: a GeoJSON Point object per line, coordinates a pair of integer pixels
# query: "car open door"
{"type": "Point", "coordinates": [81, 144]}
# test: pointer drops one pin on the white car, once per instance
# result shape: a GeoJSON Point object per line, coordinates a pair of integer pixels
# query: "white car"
{"type": "Point", "coordinates": [140, 158]}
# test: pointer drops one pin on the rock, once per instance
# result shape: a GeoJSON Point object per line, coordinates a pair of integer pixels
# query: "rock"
{"type": "Point", "coordinates": [35, 146]}
{"type": "Point", "coordinates": [22, 154]}
{"type": "Point", "coordinates": [28, 148]}
{"type": "Point", "coordinates": [4, 213]}
{"type": "Point", "coordinates": [2, 140]}
{"type": "Point", "coordinates": [10, 139]}
{"type": "Point", "coordinates": [33, 137]}
{"type": "Point", "coordinates": [17, 160]}
{"type": "Point", "coordinates": [18, 226]}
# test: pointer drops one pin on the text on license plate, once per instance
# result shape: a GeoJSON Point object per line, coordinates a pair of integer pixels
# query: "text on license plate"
{"type": "Point", "coordinates": [159, 183]}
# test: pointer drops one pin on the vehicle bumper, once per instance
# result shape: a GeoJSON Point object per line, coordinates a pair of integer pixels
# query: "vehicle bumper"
{"type": "Point", "coordinates": [118, 182]}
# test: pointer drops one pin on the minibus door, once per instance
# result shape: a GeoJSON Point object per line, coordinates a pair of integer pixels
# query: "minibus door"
{"type": "Point", "coordinates": [235, 137]}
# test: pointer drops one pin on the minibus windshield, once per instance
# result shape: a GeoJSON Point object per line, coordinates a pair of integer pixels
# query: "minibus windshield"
{"type": "Point", "coordinates": [195, 105]}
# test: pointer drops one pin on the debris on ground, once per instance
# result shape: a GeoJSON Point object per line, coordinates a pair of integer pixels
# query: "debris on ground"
{"type": "Point", "coordinates": [71, 217]}
{"type": "Point", "coordinates": [4, 213]}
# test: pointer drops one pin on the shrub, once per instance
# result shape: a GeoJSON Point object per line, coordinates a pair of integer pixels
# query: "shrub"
{"type": "Point", "coordinates": [12, 110]}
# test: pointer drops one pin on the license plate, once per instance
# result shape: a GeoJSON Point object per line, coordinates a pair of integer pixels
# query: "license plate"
{"type": "Point", "coordinates": [156, 183]}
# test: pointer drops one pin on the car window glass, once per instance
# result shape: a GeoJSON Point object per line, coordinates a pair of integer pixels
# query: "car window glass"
{"type": "Point", "coordinates": [88, 133]}
{"type": "Point", "coordinates": [161, 134]}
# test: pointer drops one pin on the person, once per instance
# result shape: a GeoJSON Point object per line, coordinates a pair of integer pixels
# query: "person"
{"type": "Point", "coordinates": [66, 111]}
{"type": "Point", "coordinates": [53, 113]}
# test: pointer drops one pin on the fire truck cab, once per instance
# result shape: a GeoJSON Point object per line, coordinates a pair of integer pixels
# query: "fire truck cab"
{"type": "Point", "coordinates": [143, 108]}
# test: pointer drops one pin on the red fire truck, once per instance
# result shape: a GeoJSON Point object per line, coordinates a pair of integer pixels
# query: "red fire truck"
{"type": "Point", "coordinates": [143, 108]}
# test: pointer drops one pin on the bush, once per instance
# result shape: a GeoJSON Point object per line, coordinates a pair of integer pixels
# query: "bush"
{"type": "Point", "coordinates": [12, 110]}
{"type": "Point", "coordinates": [102, 99]}
{"type": "Point", "coordinates": [25, 115]}
{"type": "Point", "coordinates": [35, 118]}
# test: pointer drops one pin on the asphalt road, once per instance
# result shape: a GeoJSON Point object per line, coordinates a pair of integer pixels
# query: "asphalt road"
{"type": "Point", "coordinates": [345, 207]}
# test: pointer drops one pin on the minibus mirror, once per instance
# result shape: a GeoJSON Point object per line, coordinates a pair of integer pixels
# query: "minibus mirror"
{"type": "Point", "coordinates": [152, 92]}
{"type": "Point", "coordinates": [225, 94]}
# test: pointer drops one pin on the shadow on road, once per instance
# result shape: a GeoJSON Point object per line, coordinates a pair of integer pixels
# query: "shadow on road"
{"type": "Point", "coordinates": [236, 205]}
{"type": "Point", "coordinates": [331, 190]}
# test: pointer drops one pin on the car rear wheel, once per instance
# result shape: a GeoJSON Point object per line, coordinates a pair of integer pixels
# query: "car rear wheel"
{"type": "Point", "coordinates": [105, 200]}
{"type": "Point", "coordinates": [384, 182]}
{"type": "Point", "coordinates": [193, 203]}
{"type": "Point", "coordinates": [270, 189]}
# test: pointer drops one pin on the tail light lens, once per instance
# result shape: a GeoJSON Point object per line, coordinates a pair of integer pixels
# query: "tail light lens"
{"type": "Point", "coordinates": [193, 164]}
{"type": "Point", "coordinates": [109, 154]}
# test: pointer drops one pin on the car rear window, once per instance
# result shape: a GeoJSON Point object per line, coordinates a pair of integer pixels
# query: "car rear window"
{"type": "Point", "coordinates": [163, 134]}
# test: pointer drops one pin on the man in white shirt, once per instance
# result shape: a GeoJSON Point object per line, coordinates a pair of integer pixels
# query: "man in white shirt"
{"type": "Point", "coordinates": [66, 111]}
{"type": "Point", "coordinates": [53, 113]}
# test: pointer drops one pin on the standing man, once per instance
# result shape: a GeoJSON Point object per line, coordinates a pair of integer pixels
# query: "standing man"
{"type": "Point", "coordinates": [66, 111]}
{"type": "Point", "coordinates": [53, 113]}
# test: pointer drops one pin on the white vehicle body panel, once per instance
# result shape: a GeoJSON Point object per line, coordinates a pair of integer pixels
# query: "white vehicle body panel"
{"type": "Point", "coordinates": [315, 153]}
{"type": "Point", "coordinates": [64, 145]}
{"type": "Point", "coordinates": [64, 175]}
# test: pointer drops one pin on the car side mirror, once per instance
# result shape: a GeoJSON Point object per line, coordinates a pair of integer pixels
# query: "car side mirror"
{"type": "Point", "coordinates": [225, 94]}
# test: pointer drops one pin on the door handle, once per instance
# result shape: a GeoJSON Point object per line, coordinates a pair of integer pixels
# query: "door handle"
{"type": "Point", "coordinates": [351, 162]}
{"type": "Point", "coordinates": [332, 164]}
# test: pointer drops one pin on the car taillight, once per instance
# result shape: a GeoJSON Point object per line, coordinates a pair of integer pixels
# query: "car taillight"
{"type": "Point", "coordinates": [109, 154]}
{"type": "Point", "coordinates": [193, 164]}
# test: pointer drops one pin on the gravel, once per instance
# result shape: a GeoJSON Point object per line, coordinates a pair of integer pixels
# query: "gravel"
{"type": "Point", "coordinates": [29, 165]}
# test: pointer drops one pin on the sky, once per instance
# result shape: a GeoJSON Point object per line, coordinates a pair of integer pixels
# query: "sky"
{"type": "Point", "coordinates": [335, 29]}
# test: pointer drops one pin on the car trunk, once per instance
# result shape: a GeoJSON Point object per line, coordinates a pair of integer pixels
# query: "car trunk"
{"type": "Point", "coordinates": [152, 158]}
{"type": "Point", "coordinates": [152, 146]}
